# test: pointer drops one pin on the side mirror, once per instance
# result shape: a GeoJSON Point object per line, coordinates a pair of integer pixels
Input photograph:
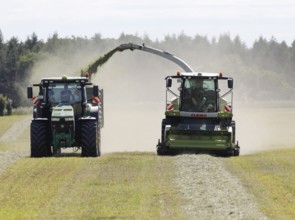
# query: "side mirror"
{"type": "Point", "coordinates": [230, 84]}
{"type": "Point", "coordinates": [168, 83]}
{"type": "Point", "coordinates": [30, 92]}
{"type": "Point", "coordinates": [95, 91]}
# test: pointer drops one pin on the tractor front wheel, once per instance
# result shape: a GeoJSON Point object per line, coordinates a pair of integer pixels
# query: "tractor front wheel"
{"type": "Point", "coordinates": [90, 139]}
{"type": "Point", "coordinates": [40, 139]}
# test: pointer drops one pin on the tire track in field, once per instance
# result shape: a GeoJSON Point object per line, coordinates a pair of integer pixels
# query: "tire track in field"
{"type": "Point", "coordinates": [12, 134]}
{"type": "Point", "coordinates": [212, 192]}
{"type": "Point", "coordinates": [16, 130]}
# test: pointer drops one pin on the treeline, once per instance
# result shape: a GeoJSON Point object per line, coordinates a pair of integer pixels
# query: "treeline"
{"type": "Point", "coordinates": [263, 72]}
{"type": "Point", "coordinates": [16, 59]}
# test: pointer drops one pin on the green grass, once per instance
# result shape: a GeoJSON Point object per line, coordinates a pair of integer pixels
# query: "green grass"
{"type": "Point", "coordinates": [271, 178]}
{"type": "Point", "coordinates": [114, 186]}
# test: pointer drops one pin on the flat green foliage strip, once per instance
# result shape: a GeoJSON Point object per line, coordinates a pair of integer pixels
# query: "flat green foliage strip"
{"type": "Point", "coordinates": [271, 177]}
{"type": "Point", "coordinates": [114, 186]}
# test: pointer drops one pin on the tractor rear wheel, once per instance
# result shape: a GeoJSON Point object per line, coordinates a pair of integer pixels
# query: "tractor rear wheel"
{"type": "Point", "coordinates": [40, 139]}
{"type": "Point", "coordinates": [90, 139]}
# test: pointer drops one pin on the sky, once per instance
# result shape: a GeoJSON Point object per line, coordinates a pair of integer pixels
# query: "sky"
{"type": "Point", "coordinates": [250, 19]}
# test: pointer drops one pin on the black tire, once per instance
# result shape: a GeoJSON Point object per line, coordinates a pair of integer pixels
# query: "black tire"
{"type": "Point", "coordinates": [164, 151]}
{"type": "Point", "coordinates": [40, 139]}
{"type": "Point", "coordinates": [89, 139]}
{"type": "Point", "coordinates": [161, 151]}
{"type": "Point", "coordinates": [237, 152]}
{"type": "Point", "coordinates": [98, 141]}
{"type": "Point", "coordinates": [233, 125]}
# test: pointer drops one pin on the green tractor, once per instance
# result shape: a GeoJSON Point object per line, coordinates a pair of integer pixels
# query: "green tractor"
{"type": "Point", "coordinates": [198, 116]}
{"type": "Point", "coordinates": [67, 113]}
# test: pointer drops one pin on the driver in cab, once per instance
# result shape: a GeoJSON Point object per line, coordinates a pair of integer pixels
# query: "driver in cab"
{"type": "Point", "coordinates": [66, 95]}
{"type": "Point", "coordinates": [197, 93]}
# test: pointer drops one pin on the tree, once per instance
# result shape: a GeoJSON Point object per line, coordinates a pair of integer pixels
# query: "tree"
{"type": "Point", "coordinates": [52, 43]}
{"type": "Point", "coordinates": [32, 44]}
{"type": "Point", "coordinates": [2, 58]}
{"type": "Point", "coordinates": [2, 104]}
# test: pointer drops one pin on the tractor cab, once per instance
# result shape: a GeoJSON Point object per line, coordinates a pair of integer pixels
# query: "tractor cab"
{"type": "Point", "coordinates": [64, 93]}
{"type": "Point", "coordinates": [58, 91]}
{"type": "Point", "coordinates": [69, 93]}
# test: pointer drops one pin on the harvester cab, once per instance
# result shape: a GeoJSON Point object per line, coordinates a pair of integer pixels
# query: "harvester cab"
{"type": "Point", "coordinates": [198, 115]}
{"type": "Point", "coordinates": [67, 112]}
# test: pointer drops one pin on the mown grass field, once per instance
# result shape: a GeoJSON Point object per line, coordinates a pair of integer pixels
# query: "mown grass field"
{"type": "Point", "coordinates": [114, 186]}
{"type": "Point", "coordinates": [270, 176]}
{"type": "Point", "coordinates": [127, 185]}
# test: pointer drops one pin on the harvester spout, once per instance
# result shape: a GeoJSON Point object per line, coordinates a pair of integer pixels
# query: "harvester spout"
{"type": "Point", "coordinates": [161, 53]}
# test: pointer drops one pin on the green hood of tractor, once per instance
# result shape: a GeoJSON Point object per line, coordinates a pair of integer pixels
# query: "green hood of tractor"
{"type": "Point", "coordinates": [62, 125]}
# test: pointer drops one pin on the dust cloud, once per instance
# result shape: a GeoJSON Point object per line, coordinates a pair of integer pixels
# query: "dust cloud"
{"type": "Point", "coordinates": [134, 101]}
{"type": "Point", "coordinates": [61, 64]}
{"type": "Point", "coordinates": [264, 128]}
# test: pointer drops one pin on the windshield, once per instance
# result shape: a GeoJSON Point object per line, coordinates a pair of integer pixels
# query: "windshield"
{"type": "Point", "coordinates": [64, 93]}
{"type": "Point", "coordinates": [199, 95]}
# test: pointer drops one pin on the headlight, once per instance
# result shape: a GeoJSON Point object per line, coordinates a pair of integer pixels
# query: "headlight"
{"type": "Point", "coordinates": [66, 119]}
